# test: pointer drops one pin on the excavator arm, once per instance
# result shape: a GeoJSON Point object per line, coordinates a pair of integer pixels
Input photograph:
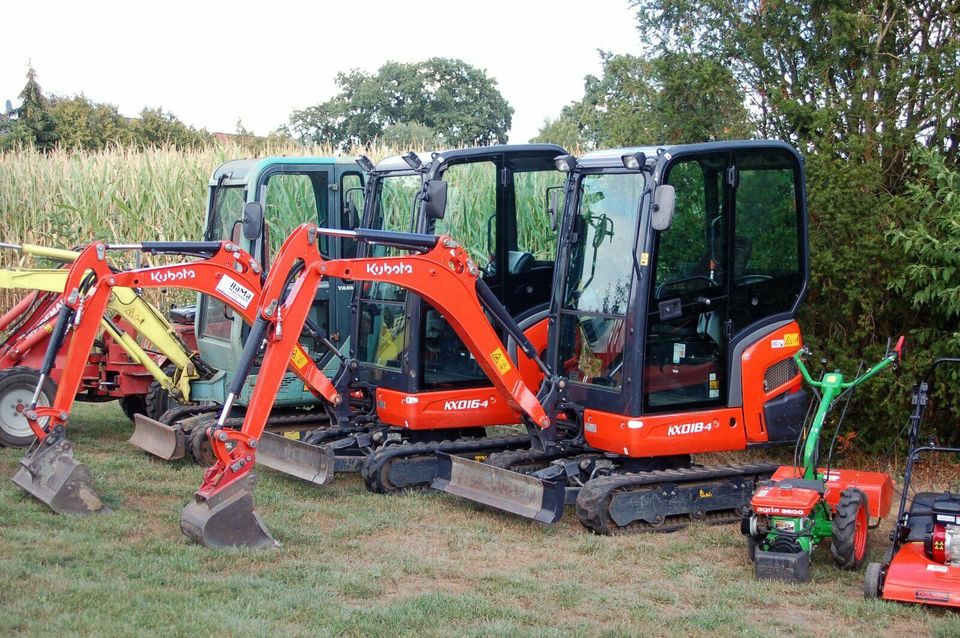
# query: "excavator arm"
{"type": "Point", "coordinates": [437, 268]}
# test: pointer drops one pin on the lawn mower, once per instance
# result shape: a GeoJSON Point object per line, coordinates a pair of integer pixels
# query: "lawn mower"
{"type": "Point", "coordinates": [680, 270]}
{"type": "Point", "coordinates": [923, 564]}
{"type": "Point", "coordinates": [48, 471]}
{"type": "Point", "coordinates": [804, 504]}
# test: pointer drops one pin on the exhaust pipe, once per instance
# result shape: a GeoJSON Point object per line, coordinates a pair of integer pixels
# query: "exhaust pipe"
{"type": "Point", "coordinates": [159, 439]}
{"type": "Point", "coordinates": [50, 474]}
{"type": "Point", "coordinates": [503, 489]}
{"type": "Point", "coordinates": [227, 518]}
{"type": "Point", "coordinates": [311, 463]}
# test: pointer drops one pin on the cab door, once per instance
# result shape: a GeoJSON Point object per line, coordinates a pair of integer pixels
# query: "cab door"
{"type": "Point", "coordinates": [688, 329]}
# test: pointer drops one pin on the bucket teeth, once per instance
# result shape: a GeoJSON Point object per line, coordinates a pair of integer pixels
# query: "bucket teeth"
{"type": "Point", "coordinates": [510, 491]}
{"type": "Point", "coordinates": [162, 440]}
{"type": "Point", "coordinates": [50, 474]}
{"type": "Point", "coordinates": [227, 518]}
{"type": "Point", "coordinates": [311, 463]}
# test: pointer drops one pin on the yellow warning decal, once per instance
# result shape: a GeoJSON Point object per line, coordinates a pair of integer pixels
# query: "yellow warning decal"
{"type": "Point", "coordinates": [293, 434]}
{"type": "Point", "coordinates": [791, 339]}
{"type": "Point", "coordinates": [299, 358]}
{"type": "Point", "coordinates": [501, 360]}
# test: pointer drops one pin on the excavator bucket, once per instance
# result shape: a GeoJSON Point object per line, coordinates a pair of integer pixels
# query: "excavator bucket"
{"type": "Point", "coordinates": [161, 440]}
{"type": "Point", "coordinates": [227, 519]}
{"type": "Point", "coordinates": [311, 463]}
{"type": "Point", "coordinates": [51, 474]}
{"type": "Point", "coordinates": [526, 496]}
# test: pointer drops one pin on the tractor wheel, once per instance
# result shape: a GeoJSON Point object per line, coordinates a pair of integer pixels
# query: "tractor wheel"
{"type": "Point", "coordinates": [16, 392]}
{"type": "Point", "coordinates": [871, 581]}
{"type": "Point", "coordinates": [158, 399]}
{"type": "Point", "coordinates": [848, 544]}
{"type": "Point", "coordinates": [133, 404]}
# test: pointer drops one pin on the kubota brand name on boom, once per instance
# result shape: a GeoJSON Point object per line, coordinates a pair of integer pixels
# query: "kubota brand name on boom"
{"type": "Point", "coordinates": [387, 269]}
{"type": "Point", "coordinates": [689, 428]}
{"type": "Point", "coordinates": [164, 276]}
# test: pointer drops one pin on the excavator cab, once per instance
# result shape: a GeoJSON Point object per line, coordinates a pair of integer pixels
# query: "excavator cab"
{"type": "Point", "coordinates": [679, 276]}
{"type": "Point", "coordinates": [496, 208]}
{"type": "Point", "coordinates": [289, 191]}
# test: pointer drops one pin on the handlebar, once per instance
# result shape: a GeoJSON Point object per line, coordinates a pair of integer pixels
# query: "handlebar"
{"type": "Point", "coordinates": [892, 357]}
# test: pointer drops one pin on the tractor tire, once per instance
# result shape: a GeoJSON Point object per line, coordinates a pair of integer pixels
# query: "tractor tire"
{"type": "Point", "coordinates": [871, 581]}
{"type": "Point", "coordinates": [133, 404]}
{"type": "Point", "coordinates": [16, 391]}
{"type": "Point", "coordinates": [848, 543]}
{"type": "Point", "coordinates": [158, 400]}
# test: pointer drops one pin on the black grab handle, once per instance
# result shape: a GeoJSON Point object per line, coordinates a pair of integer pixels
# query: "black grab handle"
{"type": "Point", "coordinates": [390, 238]}
{"type": "Point", "coordinates": [181, 247]}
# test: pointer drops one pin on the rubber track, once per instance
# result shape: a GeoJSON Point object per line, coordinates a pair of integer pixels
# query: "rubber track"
{"type": "Point", "coordinates": [511, 458]}
{"type": "Point", "coordinates": [595, 496]}
{"type": "Point", "coordinates": [373, 466]}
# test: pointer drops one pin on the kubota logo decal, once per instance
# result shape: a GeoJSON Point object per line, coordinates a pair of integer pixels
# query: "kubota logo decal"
{"type": "Point", "coordinates": [465, 404]}
{"type": "Point", "coordinates": [691, 428]}
{"type": "Point", "coordinates": [166, 276]}
{"type": "Point", "coordinates": [399, 268]}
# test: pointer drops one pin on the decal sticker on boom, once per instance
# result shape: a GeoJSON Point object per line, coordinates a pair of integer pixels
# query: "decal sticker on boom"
{"type": "Point", "coordinates": [299, 358]}
{"type": "Point", "coordinates": [386, 269]}
{"type": "Point", "coordinates": [231, 288]}
{"type": "Point", "coordinates": [501, 361]}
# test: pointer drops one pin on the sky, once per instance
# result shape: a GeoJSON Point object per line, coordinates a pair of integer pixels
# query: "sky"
{"type": "Point", "coordinates": [212, 63]}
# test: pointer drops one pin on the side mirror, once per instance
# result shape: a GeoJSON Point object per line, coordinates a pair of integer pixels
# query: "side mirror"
{"type": "Point", "coordinates": [553, 205]}
{"type": "Point", "coordinates": [435, 199]}
{"type": "Point", "coordinates": [252, 220]}
{"type": "Point", "coordinates": [664, 199]}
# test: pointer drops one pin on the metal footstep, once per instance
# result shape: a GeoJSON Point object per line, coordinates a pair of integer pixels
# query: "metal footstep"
{"type": "Point", "coordinates": [227, 519]}
{"type": "Point", "coordinates": [311, 463]}
{"type": "Point", "coordinates": [510, 491]}
{"type": "Point", "coordinates": [157, 438]}
{"type": "Point", "coordinates": [50, 474]}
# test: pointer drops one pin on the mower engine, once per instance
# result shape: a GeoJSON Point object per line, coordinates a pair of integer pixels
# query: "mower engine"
{"type": "Point", "coordinates": [780, 528]}
{"type": "Point", "coordinates": [941, 543]}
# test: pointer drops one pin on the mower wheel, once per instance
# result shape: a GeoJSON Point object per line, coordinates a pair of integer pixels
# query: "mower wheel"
{"type": "Point", "coordinates": [133, 404]}
{"type": "Point", "coordinates": [16, 391]}
{"type": "Point", "coordinates": [871, 581]}
{"type": "Point", "coordinates": [848, 544]}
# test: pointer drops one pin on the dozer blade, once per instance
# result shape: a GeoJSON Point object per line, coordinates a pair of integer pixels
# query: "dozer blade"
{"type": "Point", "coordinates": [227, 518]}
{"type": "Point", "coordinates": [159, 439]}
{"type": "Point", "coordinates": [51, 474]}
{"type": "Point", "coordinates": [503, 489]}
{"type": "Point", "coordinates": [311, 463]}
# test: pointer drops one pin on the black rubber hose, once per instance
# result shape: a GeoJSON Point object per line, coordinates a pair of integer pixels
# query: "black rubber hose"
{"type": "Point", "coordinates": [248, 355]}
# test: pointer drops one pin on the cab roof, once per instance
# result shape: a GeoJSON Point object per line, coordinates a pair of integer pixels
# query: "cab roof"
{"type": "Point", "coordinates": [611, 157]}
{"type": "Point", "coordinates": [242, 171]}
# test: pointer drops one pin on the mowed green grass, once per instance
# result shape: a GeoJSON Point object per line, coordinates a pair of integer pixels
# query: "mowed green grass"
{"type": "Point", "coordinates": [358, 564]}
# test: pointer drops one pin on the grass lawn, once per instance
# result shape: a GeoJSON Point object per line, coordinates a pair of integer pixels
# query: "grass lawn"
{"type": "Point", "coordinates": [358, 564]}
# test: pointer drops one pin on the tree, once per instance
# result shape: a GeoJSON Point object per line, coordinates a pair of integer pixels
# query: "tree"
{"type": "Point", "coordinates": [33, 115]}
{"type": "Point", "coordinates": [459, 103]}
{"type": "Point", "coordinates": [673, 98]}
{"type": "Point", "coordinates": [854, 85]}
{"type": "Point", "coordinates": [82, 124]}
{"type": "Point", "coordinates": [154, 127]}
